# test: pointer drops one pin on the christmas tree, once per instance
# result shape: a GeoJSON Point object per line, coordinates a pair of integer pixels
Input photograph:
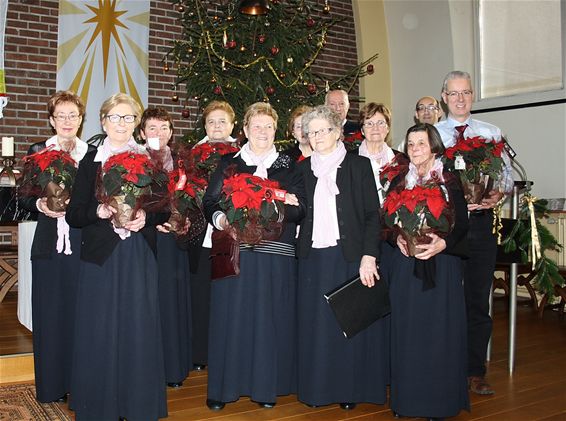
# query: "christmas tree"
{"type": "Point", "coordinates": [242, 59]}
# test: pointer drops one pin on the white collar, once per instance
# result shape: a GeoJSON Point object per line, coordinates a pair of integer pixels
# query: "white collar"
{"type": "Point", "coordinates": [78, 152]}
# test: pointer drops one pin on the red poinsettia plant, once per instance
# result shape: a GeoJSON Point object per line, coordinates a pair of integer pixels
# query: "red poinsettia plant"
{"type": "Point", "coordinates": [130, 181]}
{"type": "Point", "coordinates": [253, 206]}
{"type": "Point", "coordinates": [49, 173]}
{"type": "Point", "coordinates": [186, 190]}
{"type": "Point", "coordinates": [204, 158]}
{"type": "Point", "coordinates": [418, 211]}
{"type": "Point", "coordinates": [479, 162]}
{"type": "Point", "coordinates": [397, 166]}
{"type": "Point", "coordinates": [353, 140]}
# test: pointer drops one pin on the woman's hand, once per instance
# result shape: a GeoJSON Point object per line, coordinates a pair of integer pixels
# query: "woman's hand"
{"type": "Point", "coordinates": [488, 202]}
{"type": "Point", "coordinates": [165, 228]}
{"type": "Point", "coordinates": [105, 211]}
{"type": "Point", "coordinates": [433, 248]}
{"type": "Point", "coordinates": [291, 199]}
{"type": "Point", "coordinates": [402, 244]}
{"type": "Point", "coordinates": [43, 208]}
{"type": "Point", "coordinates": [138, 223]}
{"type": "Point", "coordinates": [368, 271]}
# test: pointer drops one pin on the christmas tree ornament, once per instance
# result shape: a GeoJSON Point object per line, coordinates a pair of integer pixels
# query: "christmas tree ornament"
{"type": "Point", "coordinates": [232, 44]}
{"type": "Point", "coordinates": [165, 67]}
{"type": "Point", "coordinates": [311, 88]}
{"type": "Point", "coordinates": [274, 51]}
{"type": "Point", "coordinates": [289, 59]}
{"type": "Point", "coordinates": [261, 39]}
{"type": "Point", "coordinates": [270, 90]}
{"type": "Point", "coordinates": [254, 7]}
{"type": "Point", "coordinates": [242, 48]}
{"type": "Point", "coordinates": [224, 38]}
{"type": "Point", "coordinates": [181, 8]}
{"type": "Point", "coordinates": [370, 69]}
{"type": "Point", "coordinates": [185, 113]}
{"type": "Point", "coordinates": [213, 80]}
{"type": "Point", "coordinates": [217, 90]}
{"type": "Point", "coordinates": [196, 97]}
{"type": "Point", "coordinates": [282, 75]}
{"type": "Point", "coordinates": [175, 97]}
{"type": "Point", "coordinates": [326, 8]}
{"type": "Point", "coordinates": [310, 22]}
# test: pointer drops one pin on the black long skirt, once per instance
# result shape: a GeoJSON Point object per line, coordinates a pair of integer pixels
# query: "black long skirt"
{"type": "Point", "coordinates": [118, 368]}
{"type": "Point", "coordinates": [428, 340]}
{"type": "Point", "coordinates": [332, 368]}
{"type": "Point", "coordinates": [253, 330]}
{"type": "Point", "coordinates": [200, 306]}
{"type": "Point", "coordinates": [175, 307]}
{"type": "Point", "coordinates": [53, 295]}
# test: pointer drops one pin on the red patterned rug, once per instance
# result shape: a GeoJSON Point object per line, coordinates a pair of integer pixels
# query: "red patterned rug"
{"type": "Point", "coordinates": [17, 403]}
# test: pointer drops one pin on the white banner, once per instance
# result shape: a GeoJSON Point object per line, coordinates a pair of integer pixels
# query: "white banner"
{"type": "Point", "coordinates": [103, 50]}
{"type": "Point", "coordinates": [3, 96]}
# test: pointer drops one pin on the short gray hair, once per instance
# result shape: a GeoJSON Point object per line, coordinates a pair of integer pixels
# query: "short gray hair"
{"type": "Point", "coordinates": [455, 74]}
{"type": "Point", "coordinates": [322, 112]}
{"type": "Point", "coordinates": [342, 91]}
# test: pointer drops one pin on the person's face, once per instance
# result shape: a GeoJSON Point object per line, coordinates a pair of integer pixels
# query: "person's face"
{"type": "Point", "coordinates": [298, 131]}
{"type": "Point", "coordinates": [338, 103]}
{"type": "Point", "coordinates": [157, 128]}
{"type": "Point", "coordinates": [119, 133]}
{"type": "Point", "coordinates": [418, 149]}
{"type": "Point", "coordinates": [459, 97]}
{"type": "Point", "coordinates": [66, 120]}
{"type": "Point", "coordinates": [375, 128]}
{"type": "Point", "coordinates": [260, 132]}
{"type": "Point", "coordinates": [218, 126]}
{"type": "Point", "coordinates": [428, 111]}
{"type": "Point", "coordinates": [322, 137]}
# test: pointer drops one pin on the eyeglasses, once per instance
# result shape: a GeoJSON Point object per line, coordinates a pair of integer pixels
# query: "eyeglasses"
{"type": "Point", "coordinates": [319, 133]}
{"type": "Point", "coordinates": [154, 129]}
{"type": "Point", "coordinates": [455, 94]}
{"type": "Point", "coordinates": [431, 108]}
{"type": "Point", "coordinates": [115, 118]}
{"type": "Point", "coordinates": [378, 123]}
{"type": "Point", "coordinates": [62, 117]}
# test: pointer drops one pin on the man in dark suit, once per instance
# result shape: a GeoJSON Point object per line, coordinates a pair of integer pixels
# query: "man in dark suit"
{"type": "Point", "coordinates": [337, 99]}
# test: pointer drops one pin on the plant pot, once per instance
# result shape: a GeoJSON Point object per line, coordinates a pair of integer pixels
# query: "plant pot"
{"type": "Point", "coordinates": [124, 212]}
{"type": "Point", "coordinates": [474, 192]}
{"type": "Point", "coordinates": [57, 196]}
{"type": "Point", "coordinates": [413, 241]}
{"type": "Point", "coordinates": [177, 221]}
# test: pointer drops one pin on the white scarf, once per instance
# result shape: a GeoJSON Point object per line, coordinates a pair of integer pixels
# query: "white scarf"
{"type": "Point", "coordinates": [262, 162]}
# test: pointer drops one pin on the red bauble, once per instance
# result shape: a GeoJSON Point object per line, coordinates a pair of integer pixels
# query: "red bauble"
{"type": "Point", "coordinates": [185, 113]}
{"type": "Point", "coordinates": [310, 22]}
{"type": "Point", "coordinates": [370, 69]}
{"type": "Point", "coordinates": [261, 39]}
{"type": "Point", "coordinates": [231, 44]}
{"type": "Point", "coordinates": [217, 90]}
{"type": "Point", "coordinates": [270, 90]}
{"type": "Point", "coordinates": [311, 88]}
{"type": "Point", "coordinates": [274, 51]}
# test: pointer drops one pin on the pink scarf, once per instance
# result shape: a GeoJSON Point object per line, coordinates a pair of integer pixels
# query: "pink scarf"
{"type": "Point", "coordinates": [262, 162]}
{"type": "Point", "coordinates": [325, 228]}
{"type": "Point", "coordinates": [381, 158]}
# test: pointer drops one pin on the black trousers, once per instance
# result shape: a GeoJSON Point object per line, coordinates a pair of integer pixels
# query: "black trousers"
{"type": "Point", "coordinates": [478, 278]}
{"type": "Point", "coordinates": [200, 296]}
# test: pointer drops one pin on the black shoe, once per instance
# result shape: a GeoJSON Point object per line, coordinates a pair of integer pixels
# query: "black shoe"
{"type": "Point", "coordinates": [62, 399]}
{"type": "Point", "coordinates": [311, 406]}
{"type": "Point", "coordinates": [347, 405]}
{"type": "Point", "coordinates": [266, 404]}
{"type": "Point", "coordinates": [435, 419]}
{"type": "Point", "coordinates": [214, 405]}
{"type": "Point", "coordinates": [396, 415]}
{"type": "Point", "coordinates": [199, 367]}
{"type": "Point", "coordinates": [174, 384]}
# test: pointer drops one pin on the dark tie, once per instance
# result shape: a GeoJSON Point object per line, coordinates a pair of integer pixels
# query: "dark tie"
{"type": "Point", "coordinates": [460, 129]}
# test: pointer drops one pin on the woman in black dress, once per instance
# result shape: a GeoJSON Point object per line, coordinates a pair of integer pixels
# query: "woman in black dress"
{"type": "Point", "coordinates": [253, 315]}
{"type": "Point", "coordinates": [302, 149]}
{"type": "Point", "coordinates": [338, 239]}
{"type": "Point", "coordinates": [218, 119]}
{"type": "Point", "coordinates": [118, 368]}
{"type": "Point", "coordinates": [55, 259]}
{"type": "Point", "coordinates": [428, 324]}
{"type": "Point", "coordinates": [156, 129]}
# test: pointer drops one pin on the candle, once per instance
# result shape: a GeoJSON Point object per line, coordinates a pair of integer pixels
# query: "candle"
{"type": "Point", "coordinates": [7, 146]}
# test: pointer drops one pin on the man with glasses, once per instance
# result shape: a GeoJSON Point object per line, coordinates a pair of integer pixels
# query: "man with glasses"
{"type": "Point", "coordinates": [458, 95]}
{"type": "Point", "coordinates": [427, 110]}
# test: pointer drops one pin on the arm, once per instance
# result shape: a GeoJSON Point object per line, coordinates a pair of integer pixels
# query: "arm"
{"type": "Point", "coordinates": [372, 226]}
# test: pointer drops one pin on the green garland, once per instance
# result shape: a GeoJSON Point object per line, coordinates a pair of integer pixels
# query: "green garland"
{"type": "Point", "coordinates": [521, 238]}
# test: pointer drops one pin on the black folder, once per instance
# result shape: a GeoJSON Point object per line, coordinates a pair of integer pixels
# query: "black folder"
{"type": "Point", "coordinates": [356, 306]}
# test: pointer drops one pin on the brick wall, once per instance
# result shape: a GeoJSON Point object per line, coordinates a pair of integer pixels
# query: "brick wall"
{"type": "Point", "coordinates": [30, 63]}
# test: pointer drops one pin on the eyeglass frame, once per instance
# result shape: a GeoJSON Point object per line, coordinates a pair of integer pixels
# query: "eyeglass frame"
{"type": "Point", "coordinates": [378, 123]}
{"type": "Point", "coordinates": [456, 94]}
{"type": "Point", "coordinates": [61, 118]}
{"type": "Point", "coordinates": [125, 118]}
{"type": "Point", "coordinates": [432, 108]}
{"type": "Point", "coordinates": [322, 132]}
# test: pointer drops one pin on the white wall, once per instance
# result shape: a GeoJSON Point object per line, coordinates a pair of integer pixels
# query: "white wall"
{"type": "Point", "coordinates": [427, 39]}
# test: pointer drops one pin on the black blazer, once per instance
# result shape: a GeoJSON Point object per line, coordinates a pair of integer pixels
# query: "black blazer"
{"type": "Point", "coordinates": [357, 207]}
{"type": "Point", "coordinates": [282, 170]}
{"type": "Point", "coordinates": [351, 127]}
{"type": "Point", "coordinates": [98, 236]}
{"type": "Point", "coordinates": [45, 237]}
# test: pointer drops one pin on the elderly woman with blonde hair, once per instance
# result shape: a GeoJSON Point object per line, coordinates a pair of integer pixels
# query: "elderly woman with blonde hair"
{"type": "Point", "coordinates": [253, 315]}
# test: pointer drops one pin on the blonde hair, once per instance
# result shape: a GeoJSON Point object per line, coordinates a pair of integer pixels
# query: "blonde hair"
{"type": "Point", "coordinates": [120, 98]}
{"type": "Point", "coordinates": [218, 105]}
{"type": "Point", "coordinates": [260, 108]}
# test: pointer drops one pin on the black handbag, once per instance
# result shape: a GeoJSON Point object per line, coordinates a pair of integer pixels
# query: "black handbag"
{"type": "Point", "coordinates": [225, 255]}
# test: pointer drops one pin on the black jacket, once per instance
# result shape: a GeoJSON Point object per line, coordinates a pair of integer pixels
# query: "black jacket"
{"type": "Point", "coordinates": [357, 207]}
{"type": "Point", "coordinates": [98, 236]}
